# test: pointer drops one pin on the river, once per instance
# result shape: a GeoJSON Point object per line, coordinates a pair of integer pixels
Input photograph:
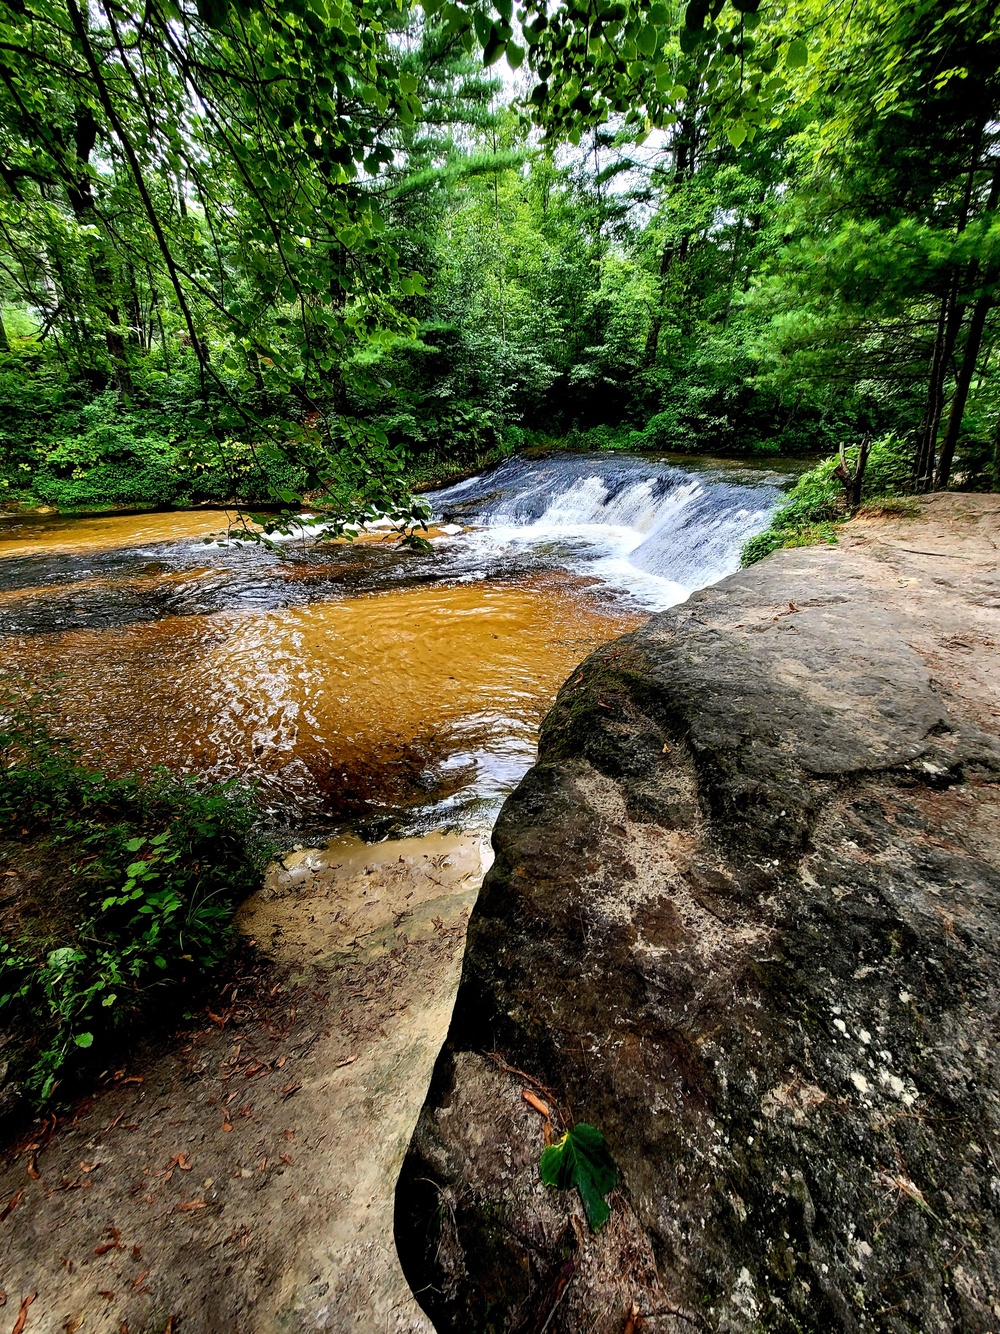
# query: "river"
{"type": "Point", "coordinates": [362, 685]}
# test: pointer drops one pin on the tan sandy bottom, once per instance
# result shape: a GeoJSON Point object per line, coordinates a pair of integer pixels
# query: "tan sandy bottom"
{"type": "Point", "coordinates": [48, 534]}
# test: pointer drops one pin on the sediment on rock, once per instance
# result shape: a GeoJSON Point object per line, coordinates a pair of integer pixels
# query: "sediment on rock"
{"type": "Point", "coordinates": [745, 918]}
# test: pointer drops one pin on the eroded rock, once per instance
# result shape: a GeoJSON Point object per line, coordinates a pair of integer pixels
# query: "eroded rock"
{"type": "Point", "coordinates": [745, 918]}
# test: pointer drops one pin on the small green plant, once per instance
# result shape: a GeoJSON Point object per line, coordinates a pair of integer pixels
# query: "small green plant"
{"type": "Point", "coordinates": [139, 881]}
{"type": "Point", "coordinates": [581, 1161]}
{"type": "Point", "coordinates": [815, 505]}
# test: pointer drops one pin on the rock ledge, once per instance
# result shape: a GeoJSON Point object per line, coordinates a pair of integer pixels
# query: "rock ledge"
{"type": "Point", "coordinates": [744, 917]}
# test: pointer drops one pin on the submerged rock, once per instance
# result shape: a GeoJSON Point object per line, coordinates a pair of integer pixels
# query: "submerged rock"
{"type": "Point", "coordinates": [745, 918]}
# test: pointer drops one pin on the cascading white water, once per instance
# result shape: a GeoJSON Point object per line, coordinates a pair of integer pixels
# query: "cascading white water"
{"type": "Point", "coordinates": [648, 529]}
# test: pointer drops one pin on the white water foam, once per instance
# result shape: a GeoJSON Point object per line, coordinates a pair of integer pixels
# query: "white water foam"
{"type": "Point", "coordinates": [649, 531]}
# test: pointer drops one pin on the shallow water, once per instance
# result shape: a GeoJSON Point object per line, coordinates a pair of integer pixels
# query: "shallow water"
{"type": "Point", "coordinates": [363, 684]}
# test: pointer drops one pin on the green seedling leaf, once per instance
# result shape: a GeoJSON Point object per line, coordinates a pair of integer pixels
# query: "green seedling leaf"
{"type": "Point", "coordinates": [581, 1161]}
{"type": "Point", "coordinates": [84, 1039]}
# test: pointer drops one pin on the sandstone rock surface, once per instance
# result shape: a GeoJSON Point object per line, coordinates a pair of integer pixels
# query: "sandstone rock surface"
{"type": "Point", "coordinates": [745, 918]}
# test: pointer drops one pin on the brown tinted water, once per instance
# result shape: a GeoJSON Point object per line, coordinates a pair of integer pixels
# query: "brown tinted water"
{"type": "Point", "coordinates": [346, 706]}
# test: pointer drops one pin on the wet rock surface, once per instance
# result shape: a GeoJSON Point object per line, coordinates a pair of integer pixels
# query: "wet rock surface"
{"type": "Point", "coordinates": [745, 918]}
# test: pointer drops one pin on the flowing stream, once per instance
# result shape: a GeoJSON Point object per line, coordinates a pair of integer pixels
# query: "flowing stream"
{"type": "Point", "coordinates": [362, 684]}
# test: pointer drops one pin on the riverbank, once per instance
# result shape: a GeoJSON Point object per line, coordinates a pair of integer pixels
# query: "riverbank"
{"type": "Point", "coordinates": [240, 1177]}
{"type": "Point", "coordinates": [744, 918]}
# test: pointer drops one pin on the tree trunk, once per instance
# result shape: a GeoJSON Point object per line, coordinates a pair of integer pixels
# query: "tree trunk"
{"type": "Point", "coordinates": [80, 194]}
{"type": "Point", "coordinates": [966, 370]}
{"type": "Point", "coordinates": [973, 343]}
{"type": "Point", "coordinates": [949, 325]}
{"type": "Point", "coordinates": [673, 249]}
{"type": "Point", "coordinates": [996, 457]}
{"type": "Point", "coordinates": [4, 340]}
{"type": "Point", "coordinates": [949, 322]}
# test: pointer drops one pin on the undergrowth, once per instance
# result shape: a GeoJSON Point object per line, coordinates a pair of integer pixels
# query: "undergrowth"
{"type": "Point", "coordinates": [815, 506]}
{"type": "Point", "coordinates": [120, 893]}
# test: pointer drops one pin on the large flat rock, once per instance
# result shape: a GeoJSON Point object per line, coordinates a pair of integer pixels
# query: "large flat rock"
{"type": "Point", "coordinates": [745, 918]}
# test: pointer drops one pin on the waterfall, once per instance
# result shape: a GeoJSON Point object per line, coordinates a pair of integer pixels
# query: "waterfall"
{"type": "Point", "coordinates": [649, 530]}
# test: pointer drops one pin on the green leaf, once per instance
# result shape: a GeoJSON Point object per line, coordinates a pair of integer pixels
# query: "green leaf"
{"type": "Point", "coordinates": [494, 49]}
{"type": "Point", "coordinates": [581, 1161]}
{"type": "Point", "coordinates": [84, 1039]}
{"type": "Point", "coordinates": [515, 55]}
{"type": "Point", "coordinates": [797, 54]}
{"type": "Point", "coordinates": [647, 39]}
{"type": "Point", "coordinates": [134, 844]}
{"type": "Point", "coordinates": [482, 26]}
{"type": "Point", "coordinates": [736, 133]}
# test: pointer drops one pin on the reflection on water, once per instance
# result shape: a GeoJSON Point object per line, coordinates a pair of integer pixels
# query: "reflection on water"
{"type": "Point", "coordinates": [353, 683]}
{"type": "Point", "coordinates": [339, 710]}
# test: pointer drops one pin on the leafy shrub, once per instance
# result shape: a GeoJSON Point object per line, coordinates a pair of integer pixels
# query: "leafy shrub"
{"type": "Point", "coordinates": [816, 503]}
{"type": "Point", "coordinates": [142, 878]}
{"type": "Point", "coordinates": [114, 461]}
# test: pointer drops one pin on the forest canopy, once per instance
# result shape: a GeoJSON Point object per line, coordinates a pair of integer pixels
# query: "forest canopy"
{"type": "Point", "coordinates": [258, 252]}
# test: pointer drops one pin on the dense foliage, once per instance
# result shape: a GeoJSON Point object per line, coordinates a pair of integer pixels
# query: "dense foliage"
{"type": "Point", "coordinates": [257, 251]}
{"type": "Point", "coordinates": [127, 889]}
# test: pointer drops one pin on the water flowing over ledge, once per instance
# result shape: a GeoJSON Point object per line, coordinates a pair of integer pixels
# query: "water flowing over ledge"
{"type": "Point", "coordinates": [364, 685]}
{"type": "Point", "coordinates": [650, 531]}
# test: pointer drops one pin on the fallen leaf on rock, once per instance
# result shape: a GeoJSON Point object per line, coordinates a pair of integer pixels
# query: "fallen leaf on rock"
{"type": "Point", "coordinates": [290, 1088]}
{"type": "Point", "coordinates": [581, 1160]}
{"type": "Point", "coordinates": [72, 1323]}
{"type": "Point", "coordinates": [535, 1102]}
{"type": "Point", "coordinates": [33, 1171]}
{"type": "Point", "coordinates": [13, 1202]}
{"type": "Point", "coordinates": [349, 1061]}
{"type": "Point", "coordinates": [89, 1167]}
{"type": "Point", "coordinates": [187, 1206]}
{"type": "Point", "coordinates": [226, 1123]}
{"type": "Point", "coordinates": [181, 1160]}
{"type": "Point", "coordinates": [22, 1314]}
{"type": "Point", "coordinates": [108, 1246]}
